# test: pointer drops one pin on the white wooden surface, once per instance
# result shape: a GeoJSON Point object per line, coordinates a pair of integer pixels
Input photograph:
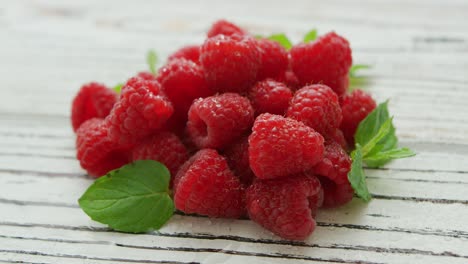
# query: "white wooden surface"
{"type": "Point", "coordinates": [419, 53]}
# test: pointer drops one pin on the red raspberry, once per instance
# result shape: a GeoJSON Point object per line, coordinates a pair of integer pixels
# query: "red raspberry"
{"type": "Point", "coordinates": [206, 186]}
{"type": "Point", "coordinates": [238, 158]}
{"type": "Point", "coordinates": [191, 53]}
{"type": "Point", "coordinates": [337, 137]}
{"type": "Point", "coordinates": [230, 63]}
{"type": "Point", "coordinates": [289, 78]}
{"type": "Point", "coordinates": [216, 121]}
{"type": "Point", "coordinates": [333, 171]}
{"type": "Point", "coordinates": [224, 27]}
{"type": "Point", "coordinates": [148, 76]}
{"type": "Point", "coordinates": [141, 110]}
{"type": "Point", "coordinates": [280, 146]}
{"type": "Point", "coordinates": [270, 96]}
{"type": "Point", "coordinates": [316, 201]}
{"type": "Point", "coordinates": [355, 106]}
{"type": "Point", "coordinates": [164, 147]}
{"type": "Point", "coordinates": [96, 152]}
{"type": "Point", "coordinates": [326, 60]}
{"type": "Point", "coordinates": [183, 81]}
{"type": "Point", "coordinates": [285, 206]}
{"type": "Point", "coordinates": [93, 100]}
{"type": "Point", "coordinates": [274, 59]}
{"type": "Point", "coordinates": [318, 107]}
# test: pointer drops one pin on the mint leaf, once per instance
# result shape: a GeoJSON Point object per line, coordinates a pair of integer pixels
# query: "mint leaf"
{"type": "Point", "coordinates": [370, 126]}
{"type": "Point", "coordinates": [376, 144]}
{"type": "Point", "coordinates": [152, 60]}
{"type": "Point", "coordinates": [118, 88]}
{"type": "Point", "coordinates": [281, 39]}
{"type": "Point", "coordinates": [310, 36]}
{"type": "Point", "coordinates": [376, 135]}
{"type": "Point", "coordinates": [383, 132]}
{"type": "Point", "coordinates": [134, 198]}
{"type": "Point", "coordinates": [357, 67]}
{"type": "Point", "coordinates": [380, 158]}
{"type": "Point", "coordinates": [356, 175]}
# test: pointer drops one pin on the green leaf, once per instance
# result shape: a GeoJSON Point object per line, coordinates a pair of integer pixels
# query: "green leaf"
{"type": "Point", "coordinates": [381, 134]}
{"type": "Point", "coordinates": [258, 36]}
{"type": "Point", "coordinates": [357, 67]}
{"type": "Point", "coordinates": [134, 198]}
{"type": "Point", "coordinates": [281, 39]}
{"type": "Point", "coordinates": [310, 36]}
{"type": "Point", "coordinates": [376, 144]}
{"type": "Point", "coordinates": [152, 60]}
{"type": "Point", "coordinates": [356, 175]}
{"type": "Point", "coordinates": [376, 135]}
{"type": "Point", "coordinates": [370, 126]}
{"type": "Point", "coordinates": [381, 158]}
{"type": "Point", "coordinates": [118, 88]}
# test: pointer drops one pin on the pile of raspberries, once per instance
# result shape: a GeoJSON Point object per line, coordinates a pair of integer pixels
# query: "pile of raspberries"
{"type": "Point", "coordinates": [246, 127]}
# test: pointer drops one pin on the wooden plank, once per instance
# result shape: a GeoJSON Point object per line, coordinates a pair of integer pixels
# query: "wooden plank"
{"type": "Point", "coordinates": [188, 230]}
{"type": "Point", "coordinates": [419, 53]}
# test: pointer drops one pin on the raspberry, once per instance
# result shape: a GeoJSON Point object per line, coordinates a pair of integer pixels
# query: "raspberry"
{"type": "Point", "coordinates": [230, 63]}
{"type": "Point", "coordinates": [216, 121]}
{"type": "Point", "coordinates": [224, 27]}
{"type": "Point", "coordinates": [270, 96]}
{"type": "Point", "coordinates": [93, 100]}
{"type": "Point", "coordinates": [206, 186]}
{"type": "Point", "coordinates": [273, 57]}
{"type": "Point", "coordinates": [333, 175]}
{"type": "Point", "coordinates": [280, 146]}
{"type": "Point", "coordinates": [326, 60]}
{"type": "Point", "coordinates": [338, 137]}
{"type": "Point", "coordinates": [285, 206]}
{"type": "Point", "coordinates": [191, 53]}
{"type": "Point", "coordinates": [238, 159]}
{"type": "Point", "coordinates": [164, 147]}
{"type": "Point", "coordinates": [316, 201]}
{"type": "Point", "coordinates": [318, 107]}
{"type": "Point", "coordinates": [96, 152]}
{"type": "Point", "coordinates": [183, 81]}
{"type": "Point", "coordinates": [289, 78]}
{"type": "Point", "coordinates": [141, 110]}
{"type": "Point", "coordinates": [355, 106]}
{"type": "Point", "coordinates": [148, 76]}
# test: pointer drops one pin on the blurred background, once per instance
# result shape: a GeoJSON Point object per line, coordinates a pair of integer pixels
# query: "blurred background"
{"type": "Point", "coordinates": [56, 46]}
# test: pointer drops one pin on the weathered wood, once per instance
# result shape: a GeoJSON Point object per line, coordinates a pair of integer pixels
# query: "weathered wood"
{"type": "Point", "coordinates": [419, 56]}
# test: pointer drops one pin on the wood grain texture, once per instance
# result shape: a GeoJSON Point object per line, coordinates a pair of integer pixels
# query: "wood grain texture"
{"type": "Point", "coordinates": [419, 56]}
